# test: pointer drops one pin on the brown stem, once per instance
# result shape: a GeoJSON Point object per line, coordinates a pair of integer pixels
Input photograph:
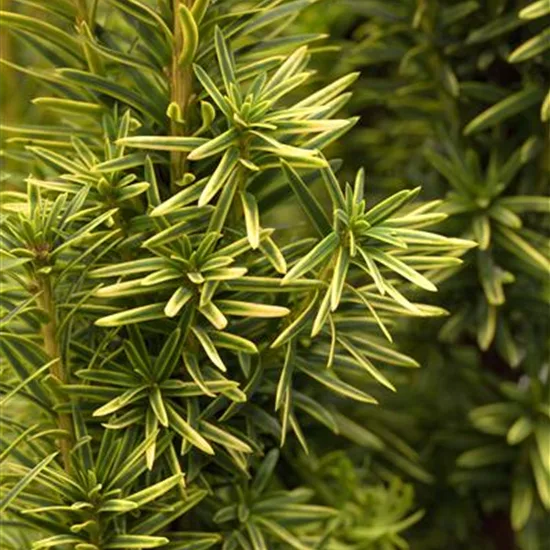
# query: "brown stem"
{"type": "Point", "coordinates": [181, 90]}
{"type": "Point", "coordinates": [51, 347]}
{"type": "Point", "coordinates": [81, 11]}
{"type": "Point", "coordinates": [10, 105]}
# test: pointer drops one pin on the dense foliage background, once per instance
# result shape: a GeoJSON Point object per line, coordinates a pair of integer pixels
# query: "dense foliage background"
{"type": "Point", "coordinates": [449, 95]}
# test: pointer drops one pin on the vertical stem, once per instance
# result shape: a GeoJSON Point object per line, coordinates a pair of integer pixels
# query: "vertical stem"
{"type": "Point", "coordinates": [86, 13]}
{"type": "Point", "coordinates": [11, 98]}
{"type": "Point", "coordinates": [181, 90]}
{"type": "Point", "coordinates": [51, 347]}
{"type": "Point", "coordinates": [82, 11]}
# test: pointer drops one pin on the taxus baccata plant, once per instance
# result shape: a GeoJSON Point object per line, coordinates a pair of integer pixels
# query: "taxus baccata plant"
{"type": "Point", "coordinates": [164, 333]}
{"type": "Point", "coordinates": [457, 94]}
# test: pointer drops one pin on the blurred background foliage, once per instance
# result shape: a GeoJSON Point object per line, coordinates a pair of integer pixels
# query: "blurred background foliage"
{"type": "Point", "coordinates": [453, 96]}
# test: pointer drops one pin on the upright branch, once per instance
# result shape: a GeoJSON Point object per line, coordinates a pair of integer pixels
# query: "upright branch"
{"type": "Point", "coordinates": [8, 109]}
{"type": "Point", "coordinates": [181, 86]}
{"type": "Point", "coordinates": [81, 11]}
{"type": "Point", "coordinates": [49, 334]}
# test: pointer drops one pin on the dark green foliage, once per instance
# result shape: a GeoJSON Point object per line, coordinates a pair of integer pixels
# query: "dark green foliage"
{"type": "Point", "coordinates": [199, 312]}
{"type": "Point", "coordinates": [455, 94]}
